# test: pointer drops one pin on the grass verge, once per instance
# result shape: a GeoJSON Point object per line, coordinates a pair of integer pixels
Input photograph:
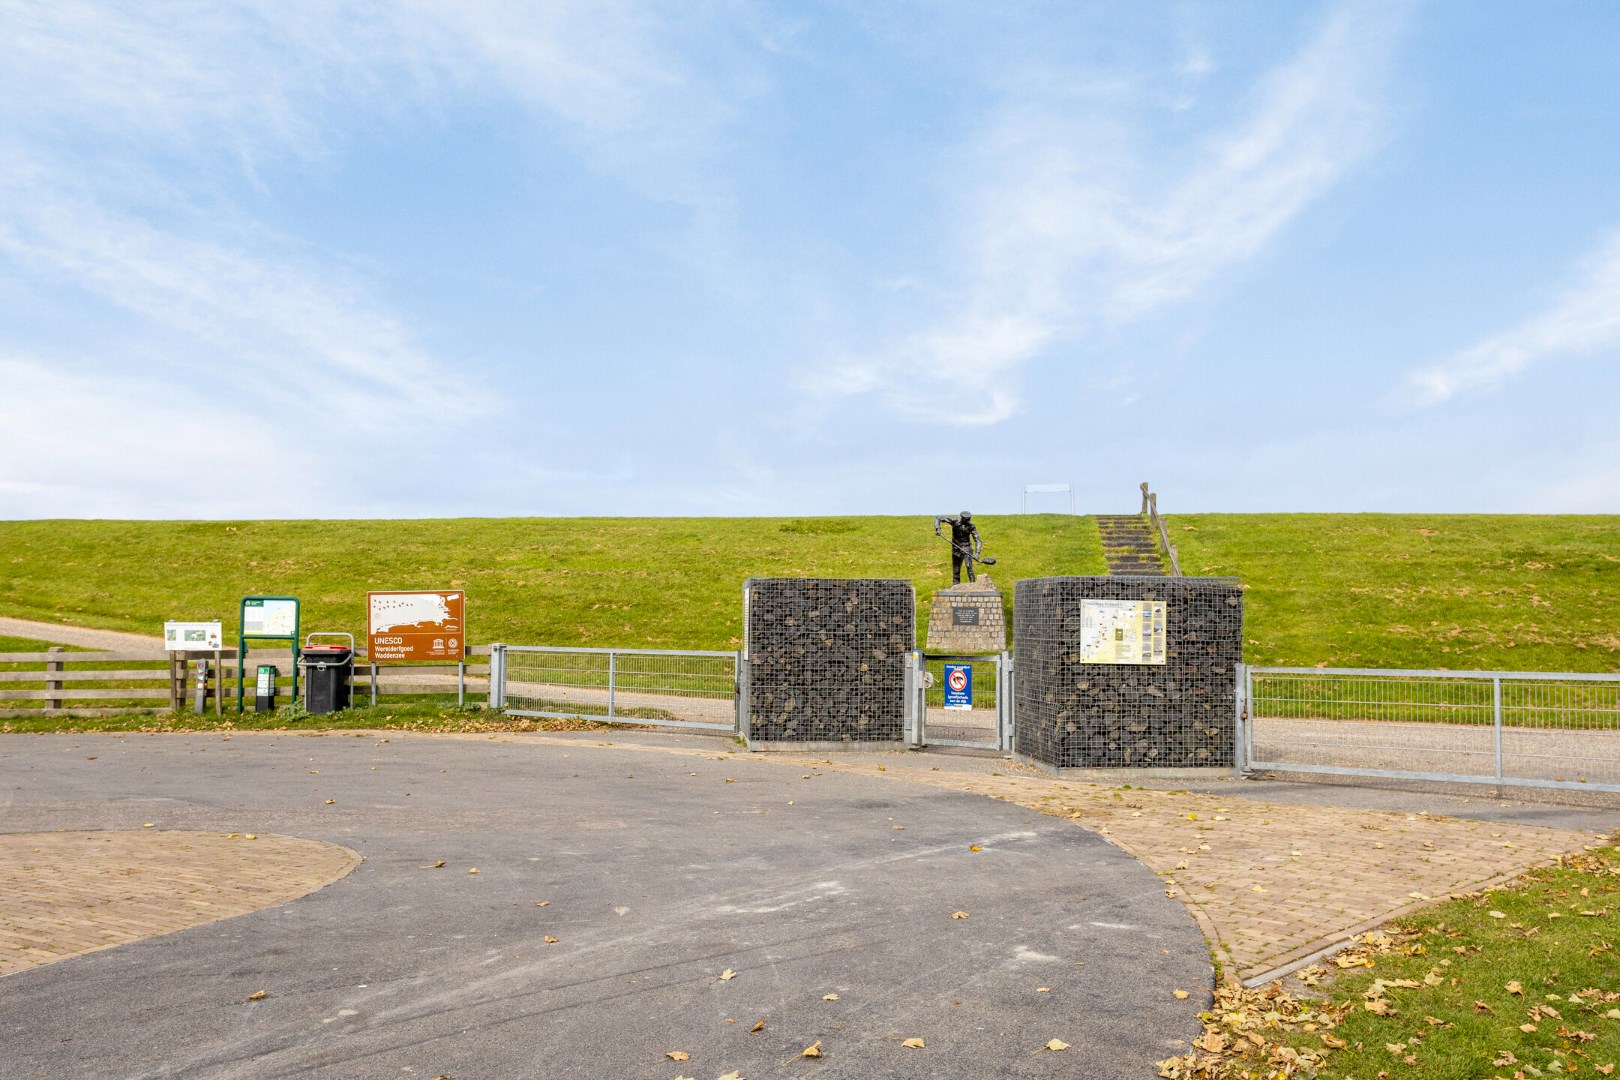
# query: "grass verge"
{"type": "Point", "coordinates": [1521, 981]}
{"type": "Point", "coordinates": [400, 717]}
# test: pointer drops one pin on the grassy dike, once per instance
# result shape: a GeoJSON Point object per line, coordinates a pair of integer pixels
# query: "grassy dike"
{"type": "Point", "coordinates": [630, 582]}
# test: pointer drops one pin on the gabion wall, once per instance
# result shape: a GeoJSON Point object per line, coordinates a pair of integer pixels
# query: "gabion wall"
{"type": "Point", "coordinates": [1179, 714]}
{"type": "Point", "coordinates": [826, 658]}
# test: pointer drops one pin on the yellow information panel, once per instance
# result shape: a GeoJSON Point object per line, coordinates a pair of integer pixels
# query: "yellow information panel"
{"type": "Point", "coordinates": [1122, 631]}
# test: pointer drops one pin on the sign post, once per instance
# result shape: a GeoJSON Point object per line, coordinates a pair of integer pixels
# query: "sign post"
{"type": "Point", "coordinates": [416, 625]}
{"type": "Point", "coordinates": [273, 618]}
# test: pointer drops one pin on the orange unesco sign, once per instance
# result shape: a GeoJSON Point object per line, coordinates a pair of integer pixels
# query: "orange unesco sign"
{"type": "Point", "coordinates": [415, 626]}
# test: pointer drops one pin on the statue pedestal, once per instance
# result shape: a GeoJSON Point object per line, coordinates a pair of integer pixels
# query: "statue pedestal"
{"type": "Point", "coordinates": [968, 618]}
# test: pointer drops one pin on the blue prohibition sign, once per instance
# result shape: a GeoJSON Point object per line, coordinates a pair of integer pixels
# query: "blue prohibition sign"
{"type": "Point", "coordinates": [959, 686]}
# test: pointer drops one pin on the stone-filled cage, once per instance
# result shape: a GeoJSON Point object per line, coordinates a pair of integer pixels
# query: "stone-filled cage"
{"type": "Point", "coordinates": [825, 659]}
{"type": "Point", "coordinates": [1070, 713]}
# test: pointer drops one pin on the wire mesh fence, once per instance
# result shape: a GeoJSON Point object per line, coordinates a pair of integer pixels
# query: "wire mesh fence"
{"type": "Point", "coordinates": [980, 724]}
{"type": "Point", "coordinates": [1527, 729]}
{"type": "Point", "coordinates": [658, 687]}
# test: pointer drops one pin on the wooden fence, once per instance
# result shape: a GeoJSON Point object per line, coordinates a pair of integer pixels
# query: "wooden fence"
{"type": "Point", "coordinates": [62, 683]}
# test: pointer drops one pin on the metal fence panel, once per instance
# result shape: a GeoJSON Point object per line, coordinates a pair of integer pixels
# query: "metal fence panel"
{"type": "Point", "coordinates": [981, 726]}
{"type": "Point", "coordinates": [1516, 729]}
{"type": "Point", "coordinates": [658, 687]}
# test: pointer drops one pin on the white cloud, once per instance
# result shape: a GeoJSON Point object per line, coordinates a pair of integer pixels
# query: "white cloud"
{"type": "Point", "coordinates": [1585, 318]}
{"type": "Point", "coordinates": [1070, 229]}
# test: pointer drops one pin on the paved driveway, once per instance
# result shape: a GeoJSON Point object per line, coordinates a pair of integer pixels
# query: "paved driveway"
{"type": "Point", "coordinates": [830, 896]}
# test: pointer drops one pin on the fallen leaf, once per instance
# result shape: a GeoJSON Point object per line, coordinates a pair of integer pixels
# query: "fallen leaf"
{"type": "Point", "coordinates": [259, 995]}
{"type": "Point", "coordinates": [1378, 1006]}
{"type": "Point", "coordinates": [1257, 888]}
{"type": "Point", "coordinates": [813, 1050]}
{"type": "Point", "coordinates": [678, 1055]}
{"type": "Point", "coordinates": [1481, 1007]}
{"type": "Point", "coordinates": [829, 997]}
{"type": "Point", "coordinates": [727, 975]}
{"type": "Point", "coordinates": [551, 941]}
{"type": "Point", "coordinates": [1505, 1057]}
{"type": "Point", "coordinates": [1056, 1045]}
{"type": "Point", "coordinates": [474, 870]}
{"type": "Point", "coordinates": [759, 1025]}
{"type": "Point", "coordinates": [1606, 1070]}
{"type": "Point", "coordinates": [960, 915]}
{"type": "Point", "coordinates": [1395, 1048]}
{"type": "Point", "coordinates": [249, 836]}
{"type": "Point", "coordinates": [1334, 1041]}
{"type": "Point", "coordinates": [975, 847]}
{"type": "Point", "coordinates": [329, 802]}
{"type": "Point", "coordinates": [435, 866]}
{"type": "Point", "coordinates": [542, 903]}
{"type": "Point", "coordinates": [1514, 987]}
{"type": "Point", "coordinates": [913, 1044]}
{"type": "Point", "coordinates": [1527, 1028]}
{"type": "Point", "coordinates": [1181, 995]}
{"type": "Point", "coordinates": [148, 825]}
{"type": "Point", "coordinates": [732, 1076]}
{"type": "Point", "coordinates": [1496, 914]}
{"type": "Point", "coordinates": [1417, 896]}
{"type": "Point", "coordinates": [1043, 989]}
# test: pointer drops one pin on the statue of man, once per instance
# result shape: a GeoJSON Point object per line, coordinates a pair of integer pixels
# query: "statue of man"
{"type": "Point", "coordinates": [965, 544]}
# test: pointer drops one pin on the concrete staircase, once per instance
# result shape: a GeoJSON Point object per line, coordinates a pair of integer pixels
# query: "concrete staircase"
{"type": "Point", "coordinates": [1129, 546]}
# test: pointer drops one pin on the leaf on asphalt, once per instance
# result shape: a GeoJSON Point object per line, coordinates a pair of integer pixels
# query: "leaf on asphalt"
{"type": "Point", "coordinates": [759, 1025]}
{"type": "Point", "coordinates": [1056, 1046]}
{"type": "Point", "coordinates": [829, 997]}
{"type": "Point", "coordinates": [329, 802]}
{"type": "Point", "coordinates": [1043, 989]}
{"type": "Point", "coordinates": [1181, 995]}
{"type": "Point", "coordinates": [813, 1050]}
{"type": "Point", "coordinates": [727, 975]}
{"type": "Point", "coordinates": [913, 1044]}
{"type": "Point", "coordinates": [975, 847]}
{"type": "Point", "coordinates": [1417, 896]}
{"type": "Point", "coordinates": [960, 915]}
{"type": "Point", "coordinates": [551, 941]}
{"type": "Point", "coordinates": [732, 1076]}
{"type": "Point", "coordinates": [148, 825]}
{"type": "Point", "coordinates": [1514, 987]}
{"type": "Point", "coordinates": [898, 828]}
{"type": "Point", "coordinates": [542, 903]}
{"type": "Point", "coordinates": [1257, 888]}
{"type": "Point", "coordinates": [258, 995]}
{"type": "Point", "coordinates": [678, 1055]}
{"type": "Point", "coordinates": [435, 866]}
{"type": "Point", "coordinates": [249, 836]}
{"type": "Point", "coordinates": [474, 870]}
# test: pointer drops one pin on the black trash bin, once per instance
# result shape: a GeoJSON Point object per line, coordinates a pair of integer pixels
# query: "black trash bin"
{"type": "Point", "coordinates": [327, 671]}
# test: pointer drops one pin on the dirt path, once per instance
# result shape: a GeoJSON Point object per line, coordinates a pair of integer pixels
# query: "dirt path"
{"type": "Point", "coordinates": [57, 634]}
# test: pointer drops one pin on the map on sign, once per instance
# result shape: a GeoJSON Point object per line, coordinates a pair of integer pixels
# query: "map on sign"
{"type": "Point", "coordinates": [1122, 631]}
{"type": "Point", "coordinates": [415, 625]}
{"type": "Point", "coordinates": [266, 617]}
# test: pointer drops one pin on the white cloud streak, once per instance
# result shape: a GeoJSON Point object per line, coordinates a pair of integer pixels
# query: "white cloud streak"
{"type": "Point", "coordinates": [1582, 320]}
{"type": "Point", "coordinates": [1069, 233]}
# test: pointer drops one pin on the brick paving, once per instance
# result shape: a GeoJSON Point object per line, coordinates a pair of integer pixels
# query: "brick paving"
{"type": "Point", "coordinates": [67, 893]}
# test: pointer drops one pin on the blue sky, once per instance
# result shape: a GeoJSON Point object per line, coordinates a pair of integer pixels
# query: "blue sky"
{"type": "Point", "coordinates": [290, 259]}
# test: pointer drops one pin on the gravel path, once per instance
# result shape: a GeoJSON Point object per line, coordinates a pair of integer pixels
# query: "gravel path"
{"type": "Point", "coordinates": [57, 634]}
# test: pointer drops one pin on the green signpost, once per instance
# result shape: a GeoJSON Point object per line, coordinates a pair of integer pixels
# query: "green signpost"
{"type": "Point", "coordinates": [273, 618]}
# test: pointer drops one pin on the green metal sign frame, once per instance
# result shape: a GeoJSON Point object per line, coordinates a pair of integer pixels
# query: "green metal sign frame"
{"type": "Point", "coordinates": [243, 636]}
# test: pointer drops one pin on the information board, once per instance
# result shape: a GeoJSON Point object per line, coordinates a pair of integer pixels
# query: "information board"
{"type": "Point", "coordinates": [1122, 631]}
{"type": "Point", "coordinates": [193, 636]}
{"type": "Point", "coordinates": [266, 616]}
{"type": "Point", "coordinates": [415, 626]}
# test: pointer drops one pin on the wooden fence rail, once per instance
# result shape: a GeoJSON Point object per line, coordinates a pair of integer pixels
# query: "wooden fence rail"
{"type": "Point", "coordinates": [57, 679]}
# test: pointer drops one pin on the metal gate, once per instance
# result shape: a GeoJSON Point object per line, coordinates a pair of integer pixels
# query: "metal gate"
{"type": "Point", "coordinates": [1502, 728]}
{"type": "Point", "coordinates": [658, 687]}
{"type": "Point", "coordinates": [974, 712]}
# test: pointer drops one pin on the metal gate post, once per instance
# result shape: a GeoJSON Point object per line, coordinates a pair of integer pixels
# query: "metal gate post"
{"type": "Point", "coordinates": [497, 676]}
{"type": "Point", "coordinates": [1496, 713]}
{"type": "Point", "coordinates": [737, 694]}
{"type": "Point", "coordinates": [1004, 702]}
{"type": "Point", "coordinates": [613, 667]}
{"type": "Point", "coordinates": [1240, 726]}
{"type": "Point", "coordinates": [911, 725]}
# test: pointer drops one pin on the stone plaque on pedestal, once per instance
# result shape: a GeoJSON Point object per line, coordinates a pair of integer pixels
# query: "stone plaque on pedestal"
{"type": "Point", "coordinates": [968, 618]}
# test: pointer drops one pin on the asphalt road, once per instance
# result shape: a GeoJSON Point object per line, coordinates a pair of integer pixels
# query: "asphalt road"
{"type": "Point", "coordinates": [659, 874]}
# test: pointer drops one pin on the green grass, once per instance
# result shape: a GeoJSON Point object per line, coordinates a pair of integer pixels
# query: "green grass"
{"type": "Point", "coordinates": [630, 582]}
{"type": "Point", "coordinates": [382, 717]}
{"type": "Point", "coordinates": [1443, 994]}
{"type": "Point", "coordinates": [1464, 592]}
